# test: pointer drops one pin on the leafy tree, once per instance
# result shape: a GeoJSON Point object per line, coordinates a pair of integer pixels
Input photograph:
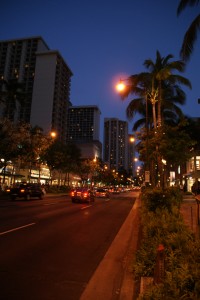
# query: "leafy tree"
{"type": "Point", "coordinates": [62, 157]}
{"type": "Point", "coordinates": [193, 129]}
{"type": "Point", "coordinates": [11, 93]}
{"type": "Point", "coordinates": [14, 138]}
{"type": "Point", "coordinates": [71, 161]}
{"type": "Point", "coordinates": [84, 170]}
{"type": "Point", "coordinates": [191, 33]}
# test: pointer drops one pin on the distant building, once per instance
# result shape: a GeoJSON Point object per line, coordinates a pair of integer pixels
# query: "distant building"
{"type": "Point", "coordinates": [83, 129]}
{"type": "Point", "coordinates": [46, 79]}
{"type": "Point", "coordinates": [116, 144]}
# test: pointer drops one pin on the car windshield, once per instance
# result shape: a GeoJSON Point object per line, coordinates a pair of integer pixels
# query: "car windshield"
{"type": "Point", "coordinates": [20, 185]}
{"type": "Point", "coordinates": [81, 190]}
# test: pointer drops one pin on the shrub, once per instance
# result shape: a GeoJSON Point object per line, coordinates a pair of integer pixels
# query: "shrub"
{"type": "Point", "coordinates": [159, 199]}
{"type": "Point", "coordinates": [162, 223]}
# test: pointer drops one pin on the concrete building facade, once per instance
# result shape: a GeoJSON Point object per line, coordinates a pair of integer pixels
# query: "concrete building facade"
{"type": "Point", "coordinates": [83, 129]}
{"type": "Point", "coordinates": [116, 143]}
{"type": "Point", "coordinates": [46, 82]}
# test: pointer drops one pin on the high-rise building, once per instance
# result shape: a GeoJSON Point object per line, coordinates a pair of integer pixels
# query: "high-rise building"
{"type": "Point", "coordinates": [46, 83]}
{"type": "Point", "coordinates": [83, 129]}
{"type": "Point", "coordinates": [116, 143]}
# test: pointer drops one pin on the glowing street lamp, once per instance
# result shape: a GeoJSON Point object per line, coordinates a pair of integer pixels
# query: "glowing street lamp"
{"type": "Point", "coordinates": [53, 134]}
{"type": "Point", "coordinates": [120, 86]}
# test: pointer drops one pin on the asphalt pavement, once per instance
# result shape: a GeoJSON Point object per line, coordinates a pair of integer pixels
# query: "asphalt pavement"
{"type": "Point", "coordinates": [113, 279]}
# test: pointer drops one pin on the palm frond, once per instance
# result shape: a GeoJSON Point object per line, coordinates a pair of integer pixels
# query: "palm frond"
{"type": "Point", "coordinates": [139, 123]}
{"type": "Point", "coordinates": [179, 79]}
{"type": "Point", "coordinates": [135, 106]}
{"type": "Point", "coordinates": [190, 39]}
{"type": "Point", "coordinates": [183, 3]}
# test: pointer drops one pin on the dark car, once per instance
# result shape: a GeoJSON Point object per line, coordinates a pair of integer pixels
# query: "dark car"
{"type": "Point", "coordinates": [102, 193]}
{"type": "Point", "coordinates": [82, 195]}
{"type": "Point", "coordinates": [26, 191]}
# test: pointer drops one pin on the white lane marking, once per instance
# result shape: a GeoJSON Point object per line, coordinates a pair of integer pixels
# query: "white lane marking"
{"type": "Point", "coordinates": [84, 207]}
{"type": "Point", "coordinates": [17, 228]}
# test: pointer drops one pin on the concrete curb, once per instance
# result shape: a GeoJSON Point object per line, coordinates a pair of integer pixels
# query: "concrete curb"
{"type": "Point", "coordinates": [113, 278]}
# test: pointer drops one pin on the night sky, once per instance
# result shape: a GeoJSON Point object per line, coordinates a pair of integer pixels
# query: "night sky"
{"type": "Point", "coordinates": [103, 41]}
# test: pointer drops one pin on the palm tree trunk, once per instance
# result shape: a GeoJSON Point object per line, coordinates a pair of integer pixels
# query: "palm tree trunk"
{"type": "Point", "coordinates": [159, 105]}
{"type": "Point", "coordinates": [154, 114]}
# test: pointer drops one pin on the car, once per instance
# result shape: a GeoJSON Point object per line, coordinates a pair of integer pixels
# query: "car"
{"type": "Point", "coordinates": [102, 193]}
{"type": "Point", "coordinates": [82, 195]}
{"type": "Point", "coordinates": [26, 191]}
{"type": "Point", "coordinates": [136, 188]}
{"type": "Point", "coordinates": [115, 191]}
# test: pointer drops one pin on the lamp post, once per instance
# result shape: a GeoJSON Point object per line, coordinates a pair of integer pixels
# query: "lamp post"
{"type": "Point", "coordinates": [121, 87]}
{"type": "Point", "coordinates": [147, 169]}
{"type": "Point", "coordinates": [131, 155]}
{"type": "Point", "coordinates": [53, 134]}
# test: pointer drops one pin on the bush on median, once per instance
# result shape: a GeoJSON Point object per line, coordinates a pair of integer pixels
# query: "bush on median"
{"type": "Point", "coordinates": [162, 223]}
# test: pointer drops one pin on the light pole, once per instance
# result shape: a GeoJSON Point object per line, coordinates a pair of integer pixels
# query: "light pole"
{"type": "Point", "coordinates": [121, 87]}
{"type": "Point", "coordinates": [131, 155]}
{"type": "Point", "coordinates": [147, 169]}
{"type": "Point", "coordinates": [53, 134]}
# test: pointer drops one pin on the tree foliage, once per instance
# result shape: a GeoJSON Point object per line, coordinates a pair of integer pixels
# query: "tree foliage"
{"type": "Point", "coordinates": [191, 34]}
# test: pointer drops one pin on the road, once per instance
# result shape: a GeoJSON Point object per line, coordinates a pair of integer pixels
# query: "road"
{"type": "Point", "coordinates": [50, 248]}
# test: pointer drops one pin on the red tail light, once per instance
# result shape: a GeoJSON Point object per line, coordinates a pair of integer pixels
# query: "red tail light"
{"type": "Point", "coordinates": [72, 194]}
{"type": "Point", "coordinates": [85, 194]}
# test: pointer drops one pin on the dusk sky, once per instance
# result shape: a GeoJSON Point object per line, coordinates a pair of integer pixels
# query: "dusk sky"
{"type": "Point", "coordinates": [103, 41]}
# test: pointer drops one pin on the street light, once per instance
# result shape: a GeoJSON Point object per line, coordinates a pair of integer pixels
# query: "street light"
{"type": "Point", "coordinates": [131, 154]}
{"type": "Point", "coordinates": [53, 134]}
{"type": "Point", "coordinates": [121, 87]}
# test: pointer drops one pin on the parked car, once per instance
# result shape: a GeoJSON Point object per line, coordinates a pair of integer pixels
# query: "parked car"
{"type": "Point", "coordinates": [26, 191]}
{"type": "Point", "coordinates": [102, 193]}
{"type": "Point", "coordinates": [82, 195]}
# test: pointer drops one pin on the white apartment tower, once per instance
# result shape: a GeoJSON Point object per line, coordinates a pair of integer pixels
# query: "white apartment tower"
{"type": "Point", "coordinates": [116, 143]}
{"type": "Point", "coordinates": [46, 82]}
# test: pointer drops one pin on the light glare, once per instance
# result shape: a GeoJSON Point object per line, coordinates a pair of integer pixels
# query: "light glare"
{"type": "Point", "coordinates": [120, 86]}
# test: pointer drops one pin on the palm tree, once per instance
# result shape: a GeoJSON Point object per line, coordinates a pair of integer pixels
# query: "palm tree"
{"type": "Point", "coordinates": [164, 79]}
{"type": "Point", "coordinates": [157, 90]}
{"type": "Point", "coordinates": [158, 94]}
{"type": "Point", "coordinates": [141, 86]}
{"type": "Point", "coordinates": [191, 34]}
